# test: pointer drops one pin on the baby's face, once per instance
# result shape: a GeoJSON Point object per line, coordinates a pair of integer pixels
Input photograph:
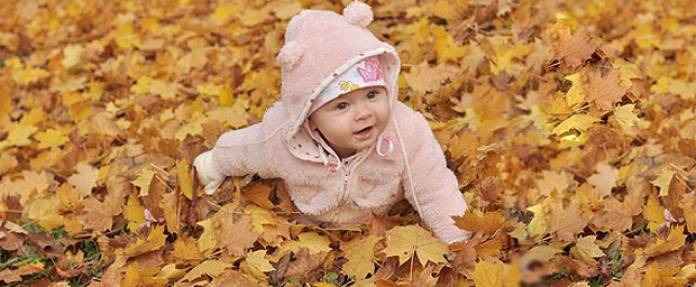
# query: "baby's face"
{"type": "Point", "coordinates": [342, 119]}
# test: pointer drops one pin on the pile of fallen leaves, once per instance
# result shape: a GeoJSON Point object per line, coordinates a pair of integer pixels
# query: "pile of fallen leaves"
{"type": "Point", "coordinates": [571, 126]}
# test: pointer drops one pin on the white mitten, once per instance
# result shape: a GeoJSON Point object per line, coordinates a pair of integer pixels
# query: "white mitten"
{"type": "Point", "coordinates": [209, 177]}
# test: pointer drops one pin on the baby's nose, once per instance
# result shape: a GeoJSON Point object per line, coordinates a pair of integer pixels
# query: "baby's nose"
{"type": "Point", "coordinates": [364, 111]}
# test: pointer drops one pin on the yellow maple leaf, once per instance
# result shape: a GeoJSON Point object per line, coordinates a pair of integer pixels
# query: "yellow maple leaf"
{"type": "Point", "coordinates": [185, 248]}
{"type": "Point", "coordinates": [259, 217]}
{"type": "Point", "coordinates": [576, 93]}
{"type": "Point", "coordinates": [674, 241]}
{"type": "Point", "coordinates": [312, 241]}
{"type": "Point", "coordinates": [581, 122]}
{"type": "Point", "coordinates": [627, 118]}
{"type": "Point", "coordinates": [445, 46]}
{"type": "Point", "coordinates": [235, 116]}
{"type": "Point", "coordinates": [18, 136]}
{"type": "Point", "coordinates": [155, 240]}
{"type": "Point", "coordinates": [654, 213]}
{"type": "Point", "coordinates": [45, 212]}
{"type": "Point", "coordinates": [286, 9]}
{"type": "Point", "coordinates": [126, 36]}
{"type": "Point", "coordinates": [134, 213]}
{"type": "Point", "coordinates": [258, 263]}
{"type": "Point", "coordinates": [224, 12]}
{"type": "Point", "coordinates": [51, 138]}
{"type": "Point", "coordinates": [207, 240]}
{"type": "Point", "coordinates": [663, 180]}
{"type": "Point", "coordinates": [662, 85]}
{"type": "Point", "coordinates": [404, 241]}
{"type": "Point", "coordinates": [71, 55]}
{"type": "Point", "coordinates": [166, 90]}
{"type": "Point", "coordinates": [143, 181]}
{"type": "Point", "coordinates": [588, 249]}
{"type": "Point", "coordinates": [142, 85]}
{"type": "Point", "coordinates": [210, 267]}
{"type": "Point", "coordinates": [183, 176]}
{"type": "Point", "coordinates": [687, 90]}
{"type": "Point", "coordinates": [495, 274]}
{"type": "Point", "coordinates": [538, 224]}
{"type": "Point", "coordinates": [505, 54]}
{"type": "Point", "coordinates": [361, 257]}
{"type": "Point", "coordinates": [628, 71]}
{"type": "Point", "coordinates": [28, 76]}
{"type": "Point", "coordinates": [170, 272]}
{"type": "Point", "coordinates": [192, 128]}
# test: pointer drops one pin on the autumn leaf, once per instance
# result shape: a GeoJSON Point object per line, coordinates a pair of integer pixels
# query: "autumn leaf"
{"type": "Point", "coordinates": [234, 234]}
{"type": "Point", "coordinates": [406, 241]}
{"type": "Point", "coordinates": [143, 181]}
{"type": "Point", "coordinates": [155, 240]}
{"type": "Point", "coordinates": [84, 179]}
{"type": "Point", "coordinates": [488, 223]}
{"type": "Point", "coordinates": [494, 275]}
{"type": "Point", "coordinates": [45, 212]}
{"type": "Point", "coordinates": [674, 241]}
{"type": "Point", "coordinates": [210, 267]}
{"type": "Point", "coordinates": [361, 257]}
{"type": "Point", "coordinates": [98, 215]}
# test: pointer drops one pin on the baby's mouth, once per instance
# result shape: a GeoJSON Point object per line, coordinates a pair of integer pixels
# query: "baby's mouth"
{"type": "Point", "coordinates": [364, 131]}
{"type": "Point", "coordinates": [364, 134]}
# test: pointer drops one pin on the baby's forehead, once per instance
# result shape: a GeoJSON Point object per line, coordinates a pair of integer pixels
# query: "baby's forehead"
{"type": "Point", "coordinates": [359, 91]}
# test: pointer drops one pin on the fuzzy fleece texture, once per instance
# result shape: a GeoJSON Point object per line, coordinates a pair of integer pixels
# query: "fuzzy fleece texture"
{"type": "Point", "coordinates": [319, 45]}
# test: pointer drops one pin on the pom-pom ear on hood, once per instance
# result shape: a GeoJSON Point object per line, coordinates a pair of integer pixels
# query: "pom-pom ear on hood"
{"type": "Point", "coordinates": [291, 54]}
{"type": "Point", "coordinates": [358, 13]}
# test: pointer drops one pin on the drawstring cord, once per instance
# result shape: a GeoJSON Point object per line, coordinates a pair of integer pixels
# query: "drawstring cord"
{"type": "Point", "coordinates": [408, 168]}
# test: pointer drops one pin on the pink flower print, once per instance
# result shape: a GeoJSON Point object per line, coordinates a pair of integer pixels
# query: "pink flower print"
{"type": "Point", "coordinates": [372, 70]}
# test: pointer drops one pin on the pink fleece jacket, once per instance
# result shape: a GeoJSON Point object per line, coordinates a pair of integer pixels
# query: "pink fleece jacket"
{"type": "Point", "coordinates": [406, 161]}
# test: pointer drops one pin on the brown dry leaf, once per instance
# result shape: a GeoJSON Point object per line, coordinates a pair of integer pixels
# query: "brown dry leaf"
{"type": "Point", "coordinates": [11, 276]}
{"type": "Point", "coordinates": [84, 179]}
{"type": "Point", "coordinates": [99, 215]}
{"type": "Point", "coordinates": [566, 221]}
{"type": "Point", "coordinates": [487, 224]}
{"type": "Point", "coordinates": [618, 215]}
{"type": "Point", "coordinates": [573, 48]}
{"type": "Point", "coordinates": [234, 233]}
{"type": "Point", "coordinates": [674, 241]}
{"type": "Point", "coordinates": [688, 202]}
{"type": "Point", "coordinates": [304, 263]}
{"type": "Point", "coordinates": [605, 89]}
{"type": "Point", "coordinates": [155, 240]}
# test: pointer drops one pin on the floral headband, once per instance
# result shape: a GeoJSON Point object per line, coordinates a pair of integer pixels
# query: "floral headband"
{"type": "Point", "coordinates": [366, 73]}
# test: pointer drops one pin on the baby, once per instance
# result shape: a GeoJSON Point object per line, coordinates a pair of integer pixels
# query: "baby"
{"type": "Point", "coordinates": [344, 145]}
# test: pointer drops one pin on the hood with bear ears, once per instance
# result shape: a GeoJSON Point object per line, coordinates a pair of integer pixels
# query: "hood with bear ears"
{"type": "Point", "coordinates": [319, 46]}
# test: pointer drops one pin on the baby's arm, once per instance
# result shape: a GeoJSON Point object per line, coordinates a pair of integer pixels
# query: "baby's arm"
{"type": "Point", "coordinates": [435, 185]}
{"type": "Point", "coordinates": [239, 152]}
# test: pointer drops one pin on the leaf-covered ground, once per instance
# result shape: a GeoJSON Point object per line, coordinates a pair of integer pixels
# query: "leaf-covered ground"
{"type": "Point", "coordinates": [571, 126]}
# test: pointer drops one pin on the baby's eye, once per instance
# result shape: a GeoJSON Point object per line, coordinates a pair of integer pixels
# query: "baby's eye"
{"type": "Point", "coordinates": [341, 106]}
{"type": "Point", "coordinates": [371, 95]}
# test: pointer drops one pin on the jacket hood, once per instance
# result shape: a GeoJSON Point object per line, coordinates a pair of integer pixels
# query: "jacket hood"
{"type": "Point", "coordinates": [319, 46]}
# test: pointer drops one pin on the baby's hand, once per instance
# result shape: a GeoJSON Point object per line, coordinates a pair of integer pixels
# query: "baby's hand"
{"type": "Point", "coordinates": [208, 176]}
